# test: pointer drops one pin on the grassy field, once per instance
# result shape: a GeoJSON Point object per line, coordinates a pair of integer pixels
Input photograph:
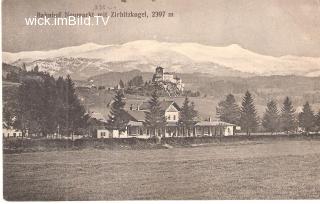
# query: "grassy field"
{"type": "Point", "coordinates": [252, 170]}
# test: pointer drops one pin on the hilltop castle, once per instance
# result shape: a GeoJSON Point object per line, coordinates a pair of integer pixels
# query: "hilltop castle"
{"type": "Point", "coordinates": [166, 77]}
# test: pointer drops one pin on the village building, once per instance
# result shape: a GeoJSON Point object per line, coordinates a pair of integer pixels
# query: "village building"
{"type": "Point", "coordinates": [171, 110]}
{"type": "Point", "coordinates": [10, 132]}
{"type": "Point", "coordinates": [135, 127]}
{"type": "Point", "coordinates": [214, 128]}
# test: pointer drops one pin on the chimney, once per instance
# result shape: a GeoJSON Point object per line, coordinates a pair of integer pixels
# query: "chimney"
{"type": "Point", "coordinates": [131, 106]}
{"type": "Point", "coordinates": [138, 107]}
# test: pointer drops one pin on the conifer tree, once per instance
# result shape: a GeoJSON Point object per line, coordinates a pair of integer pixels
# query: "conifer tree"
{"type": "Point", "coordinates": [248, 116]}
{"type": "Point", "coordinates": [307, 118]}
{"type": "Point", "coordinates": [121, 84]}
{"type": "Point", "coordinates": [287, 118]}
{"type": "Point", "coordinates": [187, 115]}
{"type": "Point", "coordinates": [271, 117]}
{"type": "Point", "coordinates": [136, 81]}
{"type": "Point", "coordinates": [228, 111]}
{"type": "Point", "coordinates": [49, 108]}
{"type": "Point", "coordinates": [116, 120]}
{"type": "Point", "coordinates": [155, 118]}
{"type": "Point", "coordinates": [24, 68]}
{"type": "Point", "coordinates": [36, 68]}
{"type": "Point", "coordinates": [61, 114]}
{"type": "Point", "coordinates": [29, 115]}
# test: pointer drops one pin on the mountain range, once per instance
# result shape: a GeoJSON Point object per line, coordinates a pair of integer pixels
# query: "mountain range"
{"type": "Point", "coordinates": [90, 59]}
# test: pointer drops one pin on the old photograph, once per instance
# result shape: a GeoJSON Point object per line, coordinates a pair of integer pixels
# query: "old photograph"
{"type": "Point", "coordinates": [109, 100]}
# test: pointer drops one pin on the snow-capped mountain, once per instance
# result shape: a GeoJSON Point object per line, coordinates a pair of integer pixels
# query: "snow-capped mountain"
{"type": "Point", "coordinates": [91, 59]}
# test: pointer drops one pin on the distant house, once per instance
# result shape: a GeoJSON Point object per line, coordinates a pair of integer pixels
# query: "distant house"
{"type": "Point", "coordinates": [99, 126]}
{"type": "Point", "coordinates": [214, 128]}
{"type": "Point", "coordinates": [8, 131]}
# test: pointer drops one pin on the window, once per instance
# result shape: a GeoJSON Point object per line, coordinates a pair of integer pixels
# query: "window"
{"type": "Point", "coordinates": [103, 134]}
{"type": "Point", "coordinates": [174, 117]}
{"type": "Point", "coordinates": [14, 134]}
{"type": "Point", "coordinates": [169, 118]}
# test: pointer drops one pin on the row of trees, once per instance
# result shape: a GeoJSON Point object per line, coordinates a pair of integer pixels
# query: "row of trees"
{"type": "Point", "coordinates": [273, 120]}
{"type": "Point", "coordinates": [155, 119]}
{"type": "Point", "coordinates": [44, 105]}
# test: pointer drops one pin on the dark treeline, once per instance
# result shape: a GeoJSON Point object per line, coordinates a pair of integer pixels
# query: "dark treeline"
{"type": "Point", "coordinates": [273, 120]}
{"type": "Point", "coordinates": [43, 105]}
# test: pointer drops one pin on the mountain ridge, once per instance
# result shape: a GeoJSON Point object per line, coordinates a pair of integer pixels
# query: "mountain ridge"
{"type": "Point", "coordinates": [177, 57]}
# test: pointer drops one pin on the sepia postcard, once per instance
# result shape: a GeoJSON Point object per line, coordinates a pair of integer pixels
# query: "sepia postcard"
{"type": "Point", "coordinates": [109, 100]}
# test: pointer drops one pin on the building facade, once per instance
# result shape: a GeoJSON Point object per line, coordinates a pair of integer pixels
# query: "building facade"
{"type": "Point", "coordinates": [136, 124]}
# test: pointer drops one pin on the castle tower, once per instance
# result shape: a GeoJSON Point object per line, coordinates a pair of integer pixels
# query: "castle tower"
{"type": "Point", "coordinates": [158, 76]}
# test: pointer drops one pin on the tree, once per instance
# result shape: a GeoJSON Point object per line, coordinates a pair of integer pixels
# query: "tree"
{"type": "Point", "coordinates": [116, 120]}
{"type": "Point", "coordinates": [71, 106]}
{"type": "Point", "coordinates": [61, 114]}
{"type": "Point", "coordinates": [36, 68]}
{"type": "Point", "coordinates": [307, 118]}
{"type": "Point", "coordinates": [317, 119]}
{"type": "Point", "coordinates": [287, 118]}
{"type": "Point", "coordinates": [28, 112]}
{"type": "Point", "coordinates": [187, 115]}
{"type": "Point", "coordinates": [155, 116]}
{"type": "Point", "coordinates": [248, 115]}
{"type": "Point", "coordinates": [228, 111]}
{"type": "Point", "coordinates": [24, 68]}
{"type": "Point", "coordinates": [48, 108]}
{"type": "Point", "coordinates": [121, 84]}
{"type": "Point", "coordinates": [136, 81]}
{"type": "Point", "coordinates": [271, 117]}
{"type": "Point", "coordinates": [44, 105]}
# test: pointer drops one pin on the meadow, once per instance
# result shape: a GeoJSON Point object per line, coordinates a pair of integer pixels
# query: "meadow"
{"type": "Point", "coordinates": [273, 169]}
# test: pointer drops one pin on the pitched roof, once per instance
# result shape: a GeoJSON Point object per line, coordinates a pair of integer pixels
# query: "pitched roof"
{"type": "Point", "coordinates": [98, 116]}
{"type": "Point", "coordinates": [137, 115]}
{"type": "Point", "coordinates": [163, 104]}
{"type": "Point", "coordinates": [213, 123]}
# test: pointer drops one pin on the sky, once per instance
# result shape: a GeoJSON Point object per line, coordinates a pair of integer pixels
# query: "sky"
{"type": "Point", "coordinates": [273, 27]}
